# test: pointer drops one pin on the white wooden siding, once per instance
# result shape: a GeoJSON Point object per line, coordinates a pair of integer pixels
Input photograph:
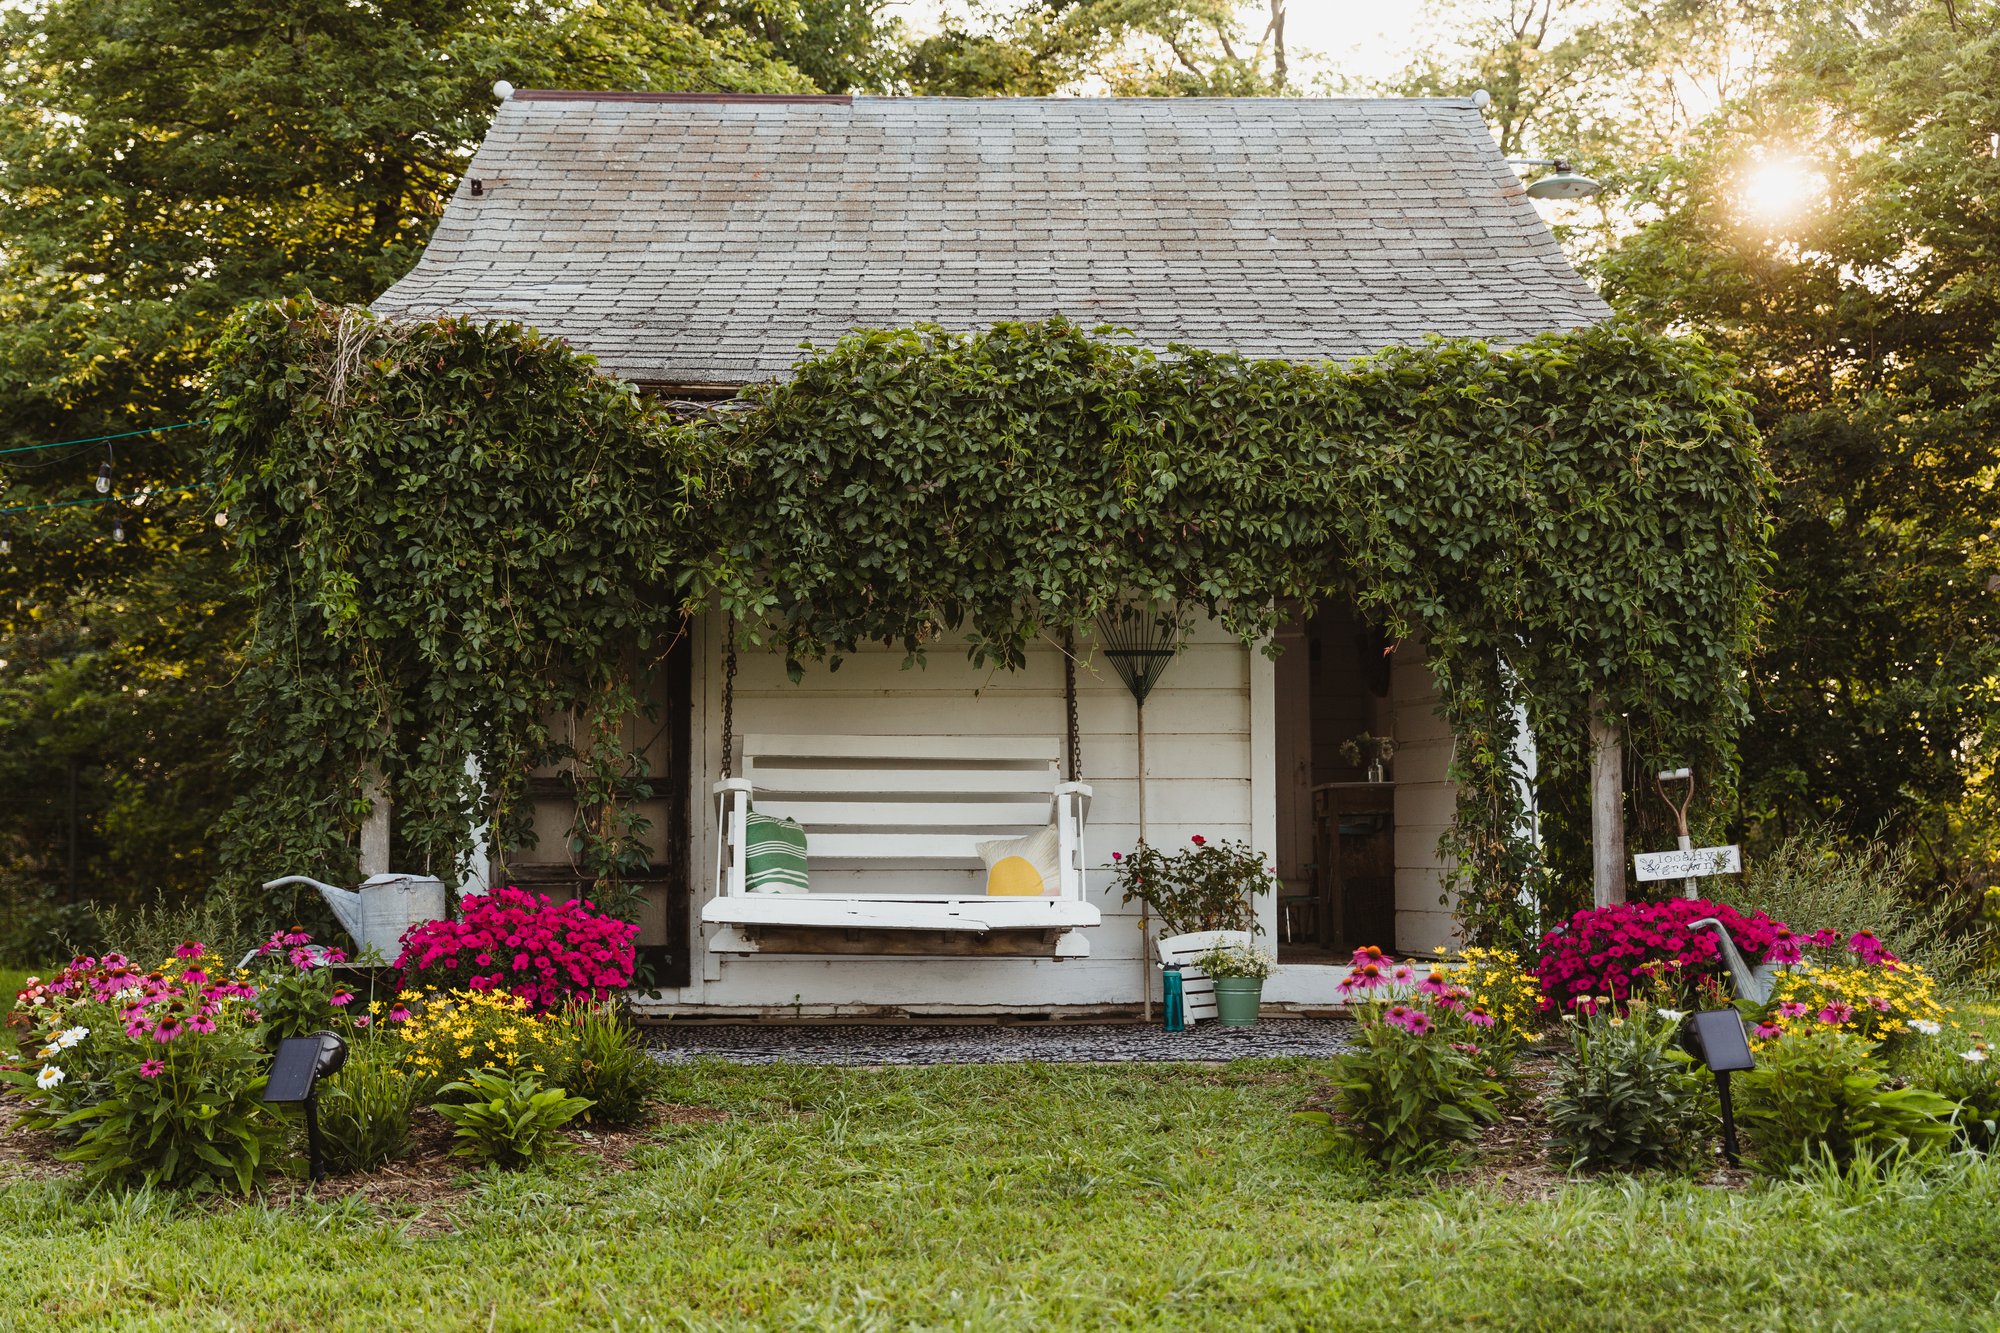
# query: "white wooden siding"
{"type": "Point", "coordinates": [1425, 802]}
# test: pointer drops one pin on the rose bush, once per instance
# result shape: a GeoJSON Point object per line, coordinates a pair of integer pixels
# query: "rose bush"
{"type": "Point", "coordinates": [528, 944]}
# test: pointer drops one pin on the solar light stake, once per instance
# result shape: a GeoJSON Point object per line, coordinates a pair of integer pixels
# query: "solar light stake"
{"type": "Point", "coordinates": [295, 1074]}
{"type": "Point", "coordinates": [1718, 1040]}
{"type": "Point", "coordinates": [1728, 1118]}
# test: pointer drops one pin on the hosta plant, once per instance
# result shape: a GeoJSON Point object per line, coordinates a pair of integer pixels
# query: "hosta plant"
{"type": "Point", "coordinates": [1822, 1096]}
{"type": "Point", "coordinates": [507, 1119]}
{"type": "Point", "coordinates": [1627, 1096]}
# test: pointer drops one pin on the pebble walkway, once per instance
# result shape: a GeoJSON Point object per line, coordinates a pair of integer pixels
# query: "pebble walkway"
{"type": "Point", "coordinates": [992, 1044]}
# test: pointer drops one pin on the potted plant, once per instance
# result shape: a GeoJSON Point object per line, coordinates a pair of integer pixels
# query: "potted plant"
{"type": "Point", "coordinates": [1204, 886]}
{"type": "Point", "coordinates": [1239, 972]}
{"type": "Point", "coordinates": [1205, 895]}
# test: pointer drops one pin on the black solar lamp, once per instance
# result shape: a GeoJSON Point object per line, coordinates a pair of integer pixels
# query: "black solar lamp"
{"type": "Point", "coordinates": [302, 1062]}
{"type": "Point", "coordinates": [1717, 1039]}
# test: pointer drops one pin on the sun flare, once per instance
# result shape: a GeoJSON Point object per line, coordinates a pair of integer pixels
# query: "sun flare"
{"type": "Point", "coordinates": [1779, 189]}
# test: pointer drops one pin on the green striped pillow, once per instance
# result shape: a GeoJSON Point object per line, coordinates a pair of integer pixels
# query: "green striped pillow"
{"type": "Point", "coordinates": [774, 855]}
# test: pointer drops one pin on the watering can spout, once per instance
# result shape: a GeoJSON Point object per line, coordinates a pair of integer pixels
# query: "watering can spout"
{"type": "Point", "coordinates": [346, 903]}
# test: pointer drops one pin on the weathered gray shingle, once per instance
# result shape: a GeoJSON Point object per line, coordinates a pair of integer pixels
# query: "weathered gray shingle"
{"type": "Point", "coordinates": [700, 241]}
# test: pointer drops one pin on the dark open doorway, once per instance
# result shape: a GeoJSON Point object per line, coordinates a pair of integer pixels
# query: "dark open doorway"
{"type": "Point", "coordinates": [1336, 809]}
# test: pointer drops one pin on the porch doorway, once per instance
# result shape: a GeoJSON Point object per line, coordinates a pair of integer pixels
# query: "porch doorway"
{"type": "Point", "coordinates": [661, 734]}
{"type": "Point", "coordinates": [1335, 782]}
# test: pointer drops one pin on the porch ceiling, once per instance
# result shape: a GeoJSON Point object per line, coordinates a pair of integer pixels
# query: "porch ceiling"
{"type": "Point", "coordinates": [699, 240]}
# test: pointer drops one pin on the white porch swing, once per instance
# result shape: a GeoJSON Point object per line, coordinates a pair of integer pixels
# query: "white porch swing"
{"type": "Point", "coordinates": [890, 805]}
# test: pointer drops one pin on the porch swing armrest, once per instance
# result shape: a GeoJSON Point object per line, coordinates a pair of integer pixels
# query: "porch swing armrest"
{"type": "Point", "coordinates": [733, 811]}
{"type": "Point", "coordinates": [1072, 814]}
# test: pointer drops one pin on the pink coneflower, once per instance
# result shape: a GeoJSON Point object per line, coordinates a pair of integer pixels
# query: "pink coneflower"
{"type": "Point", "coordinates": [169, 1027]}
{"type": "Point", "coordinates": [1434, 983]}
{"type": "Point", "coordinates": [1767, 1031]}
{"type": "Point", "coordinates": [1836, 1013]}
{"type": "Point", "coordinates": [194, 976]}
{"type": "Point", "coordinates": [1418, 1022]}
{"type": "Point", "coordinates": [1478, 1017]}
{"type": "Point", "coordinates": [152, 1068]}
{"type": "Point", "coordinates": [189, 949]}
{"type": "Point", "coordinates": [399, 1015]}
{"type": "Point", "coordinates": [1401, 974]}
{"type": "Point", "coordinates": [1466, 1047]}
{"type": "Point", "coordinates": [1822, 939]}
{"type": "Point", "coordinates": [1791, 1009]}
{"type": "Point", "coordinates": [201, 1023]}
{"type": "Point", "coordinates": [362, 1020]}
{"type": "Point", "coordinates": [340, 999]}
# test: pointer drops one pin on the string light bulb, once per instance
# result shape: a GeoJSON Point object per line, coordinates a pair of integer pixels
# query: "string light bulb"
{"type": "Point", "coordinates": [118, 527]}
{"type": "Point", "coordinates": [104, 471]}
{"type": "Point", "coordinates": [6, 543]}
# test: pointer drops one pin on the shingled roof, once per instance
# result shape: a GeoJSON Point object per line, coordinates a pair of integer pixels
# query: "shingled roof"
{"type": "Point", "coordinates": [689, 239]}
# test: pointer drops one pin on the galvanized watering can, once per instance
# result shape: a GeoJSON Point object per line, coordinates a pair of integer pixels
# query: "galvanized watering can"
{"type": "Point", "coordinates": [385, 906]}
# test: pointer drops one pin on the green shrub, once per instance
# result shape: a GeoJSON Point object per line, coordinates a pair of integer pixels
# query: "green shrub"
{"type": "Point", "coordinates": [605, 1061]}
{"type": "Point", "coordinates": [1627, 1096]}
{"type": "Point", "coordinates": [507, 1120]}
{"type": "Point", "coordinates": [1822, 1095]}
{"type": "Point", "coordinates": [1811, 882]}
{"type": "Point", "coordinates": [1407, 1098]}
{"type": "Point", "coordinates": [1962, 1072]}
{"type": "Point", "coordinates": [364, 1110]}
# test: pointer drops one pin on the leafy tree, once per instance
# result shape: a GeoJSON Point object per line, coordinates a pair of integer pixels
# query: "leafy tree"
{"type": "Point", "coordinates": [1133, 48]}
{"type": "Point", "coordinates": [841, 45]}
{"type": "Point", "coordinates": [162, 161]}
{"type": "Point", "coordinates": [1838, 231]}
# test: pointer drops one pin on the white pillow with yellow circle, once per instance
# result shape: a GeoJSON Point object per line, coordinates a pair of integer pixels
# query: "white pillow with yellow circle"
{"type": "Point", "coordinates": [1028, 867]}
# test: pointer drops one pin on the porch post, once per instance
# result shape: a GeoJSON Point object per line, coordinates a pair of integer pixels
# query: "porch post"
{"type": "Point", "coordinates": [375, 829]}
{"type": "Point", "coordinates": [1607, 807]}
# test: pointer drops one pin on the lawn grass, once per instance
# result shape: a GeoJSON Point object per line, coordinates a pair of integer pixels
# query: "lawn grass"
{"type": "Point", "coordinates": [1014, 1197]}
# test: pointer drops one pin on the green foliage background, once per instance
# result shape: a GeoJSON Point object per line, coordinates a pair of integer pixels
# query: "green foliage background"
{"type": "Point", "coordinates": [454, 531]}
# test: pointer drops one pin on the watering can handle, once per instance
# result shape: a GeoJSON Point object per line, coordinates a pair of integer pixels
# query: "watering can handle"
{"type": "Point", "coordinates": [302, 879]}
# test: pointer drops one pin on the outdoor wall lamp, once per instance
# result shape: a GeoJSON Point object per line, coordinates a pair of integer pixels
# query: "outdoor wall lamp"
{"type": "Point", "coordinates": [1716, 1038]}
{"type": "Point", "coordinates": [302, 1062]}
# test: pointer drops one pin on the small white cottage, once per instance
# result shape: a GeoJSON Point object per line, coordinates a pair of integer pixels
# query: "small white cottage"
{"type": "Point", "coordinates": [693, 242]}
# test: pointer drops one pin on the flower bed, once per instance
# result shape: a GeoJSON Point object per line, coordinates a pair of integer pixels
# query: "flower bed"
{"type": "Point", "coordinates": [155, 1076]}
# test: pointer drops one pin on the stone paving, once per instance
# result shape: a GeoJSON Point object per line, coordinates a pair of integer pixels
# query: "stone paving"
{"type": "Point", "coordinates": [987, 1044]}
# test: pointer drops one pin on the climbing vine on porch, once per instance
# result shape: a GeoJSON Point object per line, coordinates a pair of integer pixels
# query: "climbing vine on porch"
{"type": "Point", "coordinates": [456, 529]}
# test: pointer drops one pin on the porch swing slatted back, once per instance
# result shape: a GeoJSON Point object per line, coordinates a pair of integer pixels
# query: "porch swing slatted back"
{"type": "Point", "coordinates": [905, 800]}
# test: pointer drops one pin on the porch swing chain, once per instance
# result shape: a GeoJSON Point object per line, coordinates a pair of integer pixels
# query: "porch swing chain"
{"type": "Point", "coordinates": [1069, 699]}
{"type": "Point", "coordinates": [729, 697]}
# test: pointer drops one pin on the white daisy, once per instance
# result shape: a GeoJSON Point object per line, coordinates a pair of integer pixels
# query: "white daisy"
{"type": "Point", "coordinates": [1672, 1015]}
{"type": "Point", "coordinates": [1977, 1055]}
{"type": "Point", "coordinates": [69, 1037]}
{"type": "Point", "coordinates": [50, 1076]}
{"type": "Point", "coordinates": [1926, 1026]}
